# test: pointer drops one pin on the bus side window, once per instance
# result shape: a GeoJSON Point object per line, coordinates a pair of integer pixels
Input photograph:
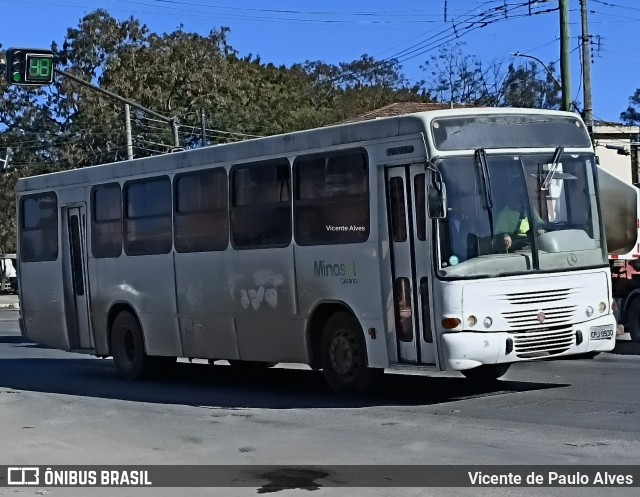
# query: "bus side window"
{"type": "Point", "coordinates": [332, 198]}
{"type": "Point", "coordinates": [39, 228]}
{"type": "Point", "coordinates": [261, 205]}
{"type": "Point", "coordinates": [106, 221]}
{"type": "Point", "coordinates": [201, 211]}
{"type": "Point", "coordinates": [147, 216]}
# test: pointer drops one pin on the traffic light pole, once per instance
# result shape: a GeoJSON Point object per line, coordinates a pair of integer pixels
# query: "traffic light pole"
{"type": "Point", "coordinates": [172, 121]}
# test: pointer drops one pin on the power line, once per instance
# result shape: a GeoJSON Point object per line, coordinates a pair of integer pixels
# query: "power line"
{"type": "Point", "coordinates": [626, 18]}
{"type": "Point", "coordinates": [210, 130]}
{"type": "Point", "coordinates": [420, 45]}
{"type": "Point", "coordinates": [287, 15]}
{"type": "Point", "coordinates": [610, 4]}
{"type": "Point", "coordinates": [471, 23]}
{"type": "Point", "coordinates": [423, 34]}
{"type": "Point", "coordinates": [479, 21]}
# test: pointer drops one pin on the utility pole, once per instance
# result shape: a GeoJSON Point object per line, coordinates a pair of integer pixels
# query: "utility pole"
{"type": "Point", "coordinates": [635, 159]}
{"type": "Point", "coordinates": [586, 67]}
{"type": "Point", "coordinates": [203, 128]}
{"type": "Point", "coordinates": [565, 59]}
{"type": "Point", "coordinates": [127, 127]}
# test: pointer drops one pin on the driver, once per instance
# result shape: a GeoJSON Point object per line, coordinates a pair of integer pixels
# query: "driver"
{"type": "Point", "coordinates": [512, 224]}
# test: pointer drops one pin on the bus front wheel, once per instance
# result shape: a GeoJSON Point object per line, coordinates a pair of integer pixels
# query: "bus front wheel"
{"type": "Point", "coordinates": [127, 349]}
{"type": "Point", "coordinates": [486, 372]}
{"type": "Point", "coordinates": [344, 356]}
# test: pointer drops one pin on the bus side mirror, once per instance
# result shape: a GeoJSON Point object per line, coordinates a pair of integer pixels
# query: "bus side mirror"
{"type": "Point", "coordinates": [436, 197]}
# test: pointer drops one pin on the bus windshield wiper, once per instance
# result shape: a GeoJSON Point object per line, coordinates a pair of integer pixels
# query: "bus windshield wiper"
{"type": "Point", "coordinates": [555, 162]}
{"type": "Point", "coordinates": [481, 160]}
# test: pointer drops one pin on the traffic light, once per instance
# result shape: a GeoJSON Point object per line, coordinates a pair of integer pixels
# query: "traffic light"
{"type": "Point", "coordinates": [29, 66]}
{"type": "Point", "coordinates": [15, 66]}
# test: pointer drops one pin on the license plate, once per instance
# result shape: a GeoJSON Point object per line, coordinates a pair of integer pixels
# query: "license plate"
{"type": "Point", "coordinates": [601, 332]}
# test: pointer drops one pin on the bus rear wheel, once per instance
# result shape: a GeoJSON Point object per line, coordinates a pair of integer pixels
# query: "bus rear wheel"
{"type": "Point", "coordinates": [127, 349]}
{"type": "Point", "coordinates": [344, 356]}
{"type": "Point", "coordinates": [486, 372]}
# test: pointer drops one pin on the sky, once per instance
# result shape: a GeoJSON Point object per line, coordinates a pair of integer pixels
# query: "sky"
{"type": "Point", "coordinates": [334, 31]}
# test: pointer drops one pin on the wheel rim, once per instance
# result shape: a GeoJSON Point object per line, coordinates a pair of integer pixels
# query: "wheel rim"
{"type": "Point", "coordinates": [343, 355]}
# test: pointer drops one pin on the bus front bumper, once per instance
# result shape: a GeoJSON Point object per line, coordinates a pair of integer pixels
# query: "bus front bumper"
{"type": "Point", "coordinates": [468, 349]}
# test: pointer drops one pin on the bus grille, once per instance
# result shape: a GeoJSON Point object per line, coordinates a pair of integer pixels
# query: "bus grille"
{"type": "Point", "coordinates": [541, 297]}
{"type": "Point", "coordinates": [530, 318]}
{"type": "Point", "coordinates": [540, 343]}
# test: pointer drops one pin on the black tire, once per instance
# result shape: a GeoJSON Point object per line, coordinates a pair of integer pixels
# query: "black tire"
{"type": "Point", "coordinates": [344, 356]}
{"type": "Point", "coordinates": [633, 320]}
{"type": "Point", "coordinates": [128, 350]}
{"type": "Point", "coordinates": [486, 372]}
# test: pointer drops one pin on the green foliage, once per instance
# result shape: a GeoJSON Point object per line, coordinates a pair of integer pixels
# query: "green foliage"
{"type": "Point", "coordinates": [462, 78]}
{"type": "Point", "coordinates": [631, 116]}
{"type": "Point", "coordinates": [369, 84]}
{"type": "Point", "coordinates": [522, 87]}
{"type": "Point", "coordinates": [459, 78]}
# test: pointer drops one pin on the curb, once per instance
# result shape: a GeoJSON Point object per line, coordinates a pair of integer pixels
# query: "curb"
{"type": "Point", "coordinates": [10, 306]}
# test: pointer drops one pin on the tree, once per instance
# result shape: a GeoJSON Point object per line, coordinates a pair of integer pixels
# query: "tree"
{"type": "Point", "coordinates": [462, 78]}
{"type": "Point", "coordinates": [522, 87]}
{"type": "Point", "coordinates": [368, 84]}
{"type": "Point", "coordinates": [631, 116]}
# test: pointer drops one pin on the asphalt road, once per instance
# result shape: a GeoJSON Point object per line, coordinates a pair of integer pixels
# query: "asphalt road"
{"type": "Point", "coordinates": [62, 408]}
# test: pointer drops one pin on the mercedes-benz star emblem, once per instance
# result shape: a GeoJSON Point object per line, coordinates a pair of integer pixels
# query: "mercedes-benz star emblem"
{"type": "Point", "coordinates": [572, 259]}
{"type": "Point", "coordinates": [541, 317]}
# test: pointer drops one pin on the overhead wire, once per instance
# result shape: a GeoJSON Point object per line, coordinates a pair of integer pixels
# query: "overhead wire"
{"type": "Point", "coordinates": [626, 18]}
{"type": "Point", "coordinates": [449, 34]}
{"type": "Point", "coordinates": [615, 5]}
{"type": "Point", "coordinates": [457, 30]}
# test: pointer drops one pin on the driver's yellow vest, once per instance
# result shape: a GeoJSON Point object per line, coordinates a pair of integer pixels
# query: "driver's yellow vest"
{"type": "Point", "coordinates": [523, 228]}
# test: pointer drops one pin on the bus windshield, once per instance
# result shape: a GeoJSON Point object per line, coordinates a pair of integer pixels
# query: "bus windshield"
{"type": "Point", "coordinates": [510, 214]}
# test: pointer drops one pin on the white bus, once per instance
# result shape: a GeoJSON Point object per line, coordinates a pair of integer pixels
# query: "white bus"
{"type": "Point", "coordinates": [350, 248]}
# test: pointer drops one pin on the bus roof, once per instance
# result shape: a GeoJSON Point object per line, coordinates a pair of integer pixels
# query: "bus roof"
{"type": "Point", "coordinates": [258, 148]}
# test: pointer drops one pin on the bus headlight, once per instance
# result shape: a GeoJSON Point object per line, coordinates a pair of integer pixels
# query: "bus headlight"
{"type": "Point", "coordinates": [471, 321]}
{"type": "Point", "coordinates": [589, 311]}
{"type": "Point", "coordinates": [487, 322]}
{"type": "Point", "coordinates": [602, 307]}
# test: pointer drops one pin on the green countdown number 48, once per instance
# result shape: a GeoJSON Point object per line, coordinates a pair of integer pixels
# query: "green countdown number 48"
{"type": "Point", "coordinates": [40, 68]}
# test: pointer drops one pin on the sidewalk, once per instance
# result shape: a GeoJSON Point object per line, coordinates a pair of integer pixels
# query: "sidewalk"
{"type": "Point", "coordinates": [9, 301]}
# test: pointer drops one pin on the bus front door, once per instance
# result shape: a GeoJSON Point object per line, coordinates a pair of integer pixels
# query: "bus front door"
{"type": "Point", "coordinates": [76, 281]}
{"type": "Point", "coordinates": [409, 251]}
